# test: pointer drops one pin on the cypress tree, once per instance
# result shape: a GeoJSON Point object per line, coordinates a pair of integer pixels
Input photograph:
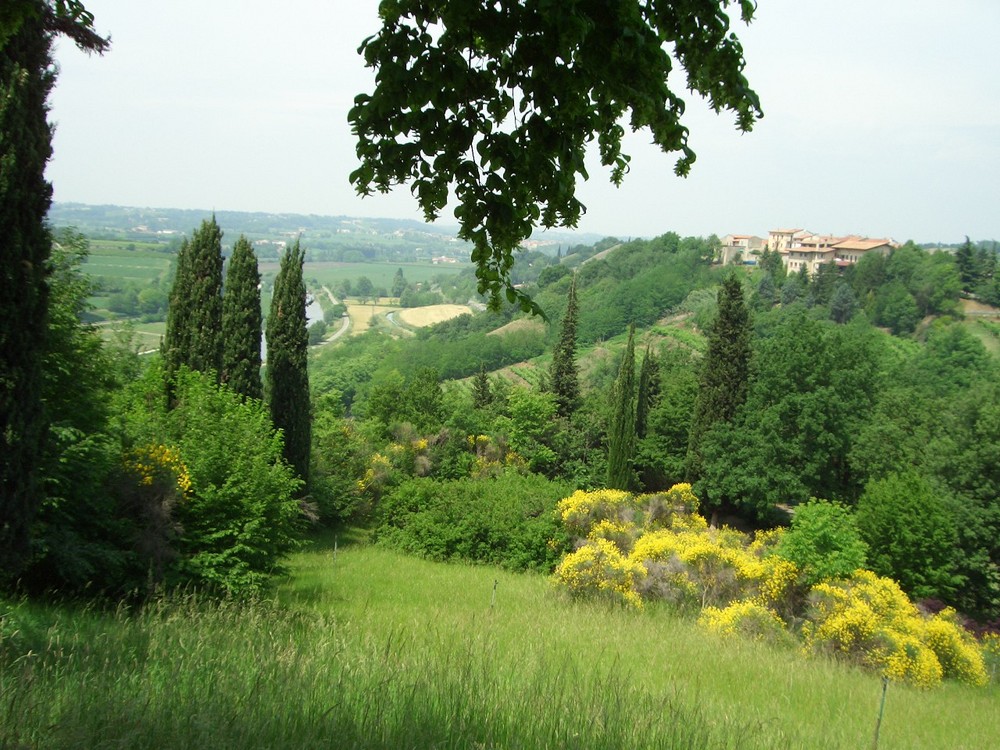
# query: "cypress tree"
{"type": "Point", "coordinates": [621, 435]}
{"type": "Point", "coordinates": [482, 393]}
{"type": "Point", "coordinates": [965, 259]}
{"type": "Point", "coordinates": [26, 78]}
{"type": "Point", "coordinates": [286, 376]}
{"type": "Point", "coordinates": [565, 381]}
{"type": "Point", "coordinates": [722, 388]}
{"type": "Point", "coordinates": [398, 283]}
{"type": "Point", "coordinates": [194, 318]}
{"type": "Point", "coordinates": [649, 391]}
{"type": "Point", "coordinates": [241, 323]}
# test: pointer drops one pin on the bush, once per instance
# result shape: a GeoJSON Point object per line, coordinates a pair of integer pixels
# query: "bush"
{"type": "Point", "coordinates": [911, 531]}
{"type": "Point", "coordinates": [746, 618]}
{"type": "Point", "coordinates": [237, 516]}
{"type": "Point", "coordinates": [870, 620]}
{"type": "Point", "coordinates": [823, 542]}
{"type": "Point", "coordinates": [508, 520]}
{"type": "Point", "coordinates": [600, 569]}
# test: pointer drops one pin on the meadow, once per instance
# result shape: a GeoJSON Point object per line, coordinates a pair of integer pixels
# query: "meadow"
{"type": "Point", "coordinates": [330, 273]}
{"type": "Point", "coordinates": [365, 648]}
{"type": "Point", "coordinates": [114, 262]}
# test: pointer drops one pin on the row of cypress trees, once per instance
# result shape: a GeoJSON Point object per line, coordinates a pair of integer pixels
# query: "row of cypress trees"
{"type": "Point", "coordinates": [217, 328]}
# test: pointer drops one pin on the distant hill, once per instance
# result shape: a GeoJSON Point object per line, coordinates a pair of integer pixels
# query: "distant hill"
{"type": "Point", "coordinates": [338, 238]}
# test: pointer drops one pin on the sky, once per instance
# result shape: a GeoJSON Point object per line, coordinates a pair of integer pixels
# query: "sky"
{"type": "Point", "coordinates": [881, 118]}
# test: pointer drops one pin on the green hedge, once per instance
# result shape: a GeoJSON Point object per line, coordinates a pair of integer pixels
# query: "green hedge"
{"type": "Point", "coordinates": [507, 520]}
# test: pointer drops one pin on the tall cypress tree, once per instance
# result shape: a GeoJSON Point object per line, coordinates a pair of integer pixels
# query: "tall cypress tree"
{"type": "Point", "coordinates": [725, 371]}
{"type": "Point", "coordinates": [482, 393]}
{"type": "Point", "coordinates": [241, 323]}
{"type": "Point", "coordinates": [286, 376]}
{"type": "Point", "coordinates": [26, 78]}
{"type": "Point", "coordinates": [194, 318]}
{"type": "Point", "coordinates": [565, 381]}
{"type": "Point", "coordinates": [621, 435]}
{"type": "Point", "coordinates": [649, 391]}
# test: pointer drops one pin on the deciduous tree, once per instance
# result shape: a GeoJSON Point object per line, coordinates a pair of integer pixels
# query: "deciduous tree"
{"type": "Point", "coordinates": [499, 101]}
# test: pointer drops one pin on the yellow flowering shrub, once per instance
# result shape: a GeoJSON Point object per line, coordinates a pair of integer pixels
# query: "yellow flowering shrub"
{"type": "Point", "coordinates": [676, 505]}
{"type": "Point", "coordinates": [621, 534]}
{"type": "Point", "coordinates": [159, 463]}
{"type": "Point", "coordinates": [990, 646]}
{"type": "Point", "coordinates": [870, 620]}
{"type": "Point", "coordinates": [657, 547]}
{"type": "Point", "coordinates": [581, 510]}
{"type": "Point", "coordinates": [599, 568]}
{"type": "Point", "coordinates": [960, 655]}
{"type": "Point", "coordinates": [376, 473]}
{"type": "Point", "coordinates": [717, 565]}
{"type": "Point", "coordinates": [747, 618]}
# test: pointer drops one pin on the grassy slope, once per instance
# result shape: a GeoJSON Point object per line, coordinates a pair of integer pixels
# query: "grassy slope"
{"type": "Point", "coordinates": [810, 703]}
{"type": "Point", "coordinates": [372, 649]}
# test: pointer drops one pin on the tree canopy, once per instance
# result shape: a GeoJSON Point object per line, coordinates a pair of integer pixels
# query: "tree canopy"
{"type": "Point", "coordinates": [498, 102]}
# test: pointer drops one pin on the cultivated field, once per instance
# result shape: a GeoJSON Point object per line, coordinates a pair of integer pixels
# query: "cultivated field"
{"type": "Point", "coordinates": [364, 317]}
{"type": "Point", "coordinates": [331, 273]}
{"type": "Point", "coordinates": [418, 317]}
{"type": "Point", "coordinates": [118, 264]}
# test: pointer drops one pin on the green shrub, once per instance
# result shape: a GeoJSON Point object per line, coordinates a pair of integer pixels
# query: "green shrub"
{"type": "Point", "coordinates": [823, 542]}
{"type": "Point", "coordinates": [508, 520]}
{"type": "Point", "coordinates": [910, 528]}
{"type": "Point", "coordinates": [239, 515]}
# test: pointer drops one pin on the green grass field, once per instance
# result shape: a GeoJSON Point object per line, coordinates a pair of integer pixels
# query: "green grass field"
{"type": "Point", "coordinates": [369, 649]}
{"type": "Point", "coordinates": [118, 264]}
{"type": "Point", "coordinates": [331, 273]}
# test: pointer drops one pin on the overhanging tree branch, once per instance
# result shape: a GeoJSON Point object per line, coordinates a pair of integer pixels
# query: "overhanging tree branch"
{"type": "Point", "coordinates": [496, 103]}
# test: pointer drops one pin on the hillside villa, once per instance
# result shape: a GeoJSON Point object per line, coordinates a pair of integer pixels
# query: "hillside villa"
{"type": "Point", "coordinates": [800, 248]}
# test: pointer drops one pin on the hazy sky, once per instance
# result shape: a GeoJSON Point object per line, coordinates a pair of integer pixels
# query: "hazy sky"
{"type": "Point", "coordinates": [881, 118]}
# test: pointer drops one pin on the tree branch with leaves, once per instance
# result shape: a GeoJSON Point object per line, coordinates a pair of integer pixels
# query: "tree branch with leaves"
{"type": "Point", "coordinates": [496, 104]}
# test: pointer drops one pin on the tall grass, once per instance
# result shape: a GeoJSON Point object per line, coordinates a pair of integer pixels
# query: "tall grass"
{"type": "Point", "coordinates": [370, 649]}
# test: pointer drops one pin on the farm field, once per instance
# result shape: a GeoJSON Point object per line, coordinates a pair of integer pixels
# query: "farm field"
{"type": "Point", "coordinates": [364, 316]}
{"type": "Point", "coordinates": [418, 317]}
{"type": "Point", "coordinates": [330, 273]}
{"type": "Point", "coordinates": [363, 647]}
{"type": "Point", "coordinates": [146, 337]}
{"type": "Point", "coordinates": [119, 264]}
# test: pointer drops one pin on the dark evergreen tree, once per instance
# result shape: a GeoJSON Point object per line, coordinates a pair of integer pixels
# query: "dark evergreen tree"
{"type": "Point", "coordinates": [26, 77]}
{"type": "Point", "coordinates": [649, 391]}
{"type": "Point", "coordinates": [766, 294]}
{"type": "Point", "coordinates": [563, 375]}
{"type": "Point", "coordinates": [241, 323]}
{"type": "Point", "coordinates": [843, 303]}
{"type": "Point", "coordinates": [965, 258]}
{"type": "Point", "coordinates": [398, 283]}
{"type": "Point", "coordinates": [286, 375]}
{"type": "Point", "coordinates": [194, 318]}
{"type": "Point", "coordinates": [482, 393]}
{"type": "Point", "coordinates": [621, 432]}
{"type": "Point", "coordinates": [725, 372]}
